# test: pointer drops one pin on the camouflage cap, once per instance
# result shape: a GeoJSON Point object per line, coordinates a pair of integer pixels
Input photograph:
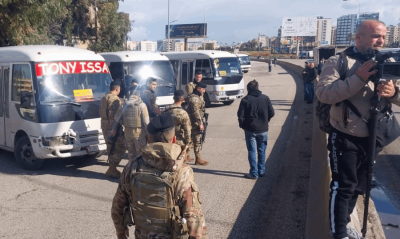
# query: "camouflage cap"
{"type": "Point", "coordinates": [161, 123]}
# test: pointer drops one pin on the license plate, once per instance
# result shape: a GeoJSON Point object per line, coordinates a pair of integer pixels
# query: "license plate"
{"type": "Point", "coordinates": [96, 148]}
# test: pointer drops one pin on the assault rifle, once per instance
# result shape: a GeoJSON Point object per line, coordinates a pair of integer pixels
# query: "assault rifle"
{"type": "Point", "coordinates": [203, 134]}
{"type": "Point", "coordinates": [114, 138]}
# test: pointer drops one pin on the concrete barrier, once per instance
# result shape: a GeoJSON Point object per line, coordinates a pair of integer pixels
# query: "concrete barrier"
{"type": "Point", "coordinates": [320, 177]}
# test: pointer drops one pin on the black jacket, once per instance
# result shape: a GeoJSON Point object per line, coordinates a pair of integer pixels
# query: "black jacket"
{"type": "Point", "coordinates": [255, 111]}
{"type": "Point", "coordinates": [312, 74]}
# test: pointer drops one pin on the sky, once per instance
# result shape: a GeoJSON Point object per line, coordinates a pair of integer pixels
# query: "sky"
{"type": "Point", "coordinates": [242, 20]}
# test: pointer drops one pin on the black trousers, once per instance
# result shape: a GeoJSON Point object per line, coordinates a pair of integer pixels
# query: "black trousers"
{"type": "Point", "coordinates": [348, 163]}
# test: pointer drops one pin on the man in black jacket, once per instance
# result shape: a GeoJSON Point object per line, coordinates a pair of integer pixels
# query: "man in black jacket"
{"type": "Point", "coordinates": [255, 111]}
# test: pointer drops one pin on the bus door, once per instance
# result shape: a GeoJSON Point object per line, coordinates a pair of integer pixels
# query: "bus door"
{"type": "Point", "coordinates": [4, 102]}
{"type": "Point", "coordinates": [187, 73]}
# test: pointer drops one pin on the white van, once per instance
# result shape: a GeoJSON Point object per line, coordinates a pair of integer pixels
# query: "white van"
{"type": "Point", "coordinates": [244, 62]}
{"type": "Point", "coordinates": [221, 72]}
{"type": "Point", "coordinates": [141, 65]}
{"type": "Point", "coordinates": [49, 103]}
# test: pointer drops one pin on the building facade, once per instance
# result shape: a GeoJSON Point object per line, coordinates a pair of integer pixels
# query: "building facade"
{"type": "Point", "coordinates": [324, 31]}
{"type": "Point", "coordinates": [333, 35]}
{"type": "Point", "coordinates": [347, 26]}
{"type": "Point", "coordinates": [392, 35]}
{"type": "Point", "coordinates": [147, 46]}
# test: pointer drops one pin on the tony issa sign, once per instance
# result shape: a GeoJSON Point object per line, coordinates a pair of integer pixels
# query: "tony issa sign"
{"type": "Point", "coordinates": [299, 26]}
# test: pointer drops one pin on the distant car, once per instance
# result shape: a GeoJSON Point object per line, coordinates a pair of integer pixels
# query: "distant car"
{"type": "Point", "coordinates": [260, 57]}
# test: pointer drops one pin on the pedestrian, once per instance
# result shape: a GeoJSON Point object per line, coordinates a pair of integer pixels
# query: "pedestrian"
{"type": "Point", "coordinates": [109, 105]}
{"type": "Point", "coordinates": [269, 66]}
{"type": "Point", "coordinates": [275, 60]}
{"type": "Point", "coordinates": [311, 76]}
{"type": "Point", "coordinates": [255, 111]}
{"type": "Point", "coordinates": [181, 118]}
{"type": "Point", "coordinates": [158, 190]}
{"type": "Point", "coordinates": [305, 86]}
{"type": "Point", "coordinates": [135, 118]}
{"type": "Point", "coordinates": [196, 110]}
{"type": "Point", "coordinates": [149, 99]}
{"type": "Point", "coordinates": [320, 66]}
{"type": "Point", "coordinates": [348, 141]}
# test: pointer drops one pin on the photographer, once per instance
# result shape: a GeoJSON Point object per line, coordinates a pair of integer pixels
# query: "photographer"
{"type": "Point", "coordinates": [348, 141]}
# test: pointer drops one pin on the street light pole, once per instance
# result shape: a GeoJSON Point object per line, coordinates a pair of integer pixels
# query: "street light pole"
{"type": "Point", "coordinates": [168, 28]}
{"type": "Point", "coordinates": [204, 29]}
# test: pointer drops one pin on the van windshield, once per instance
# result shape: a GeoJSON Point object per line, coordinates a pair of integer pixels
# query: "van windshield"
{"type": "Point", "coordinates": [244, 60]}
{"type": "Point", "coordinates": [80, 87]}
{"type": "Point", "coordinates": [161, 70]}
{"type": "Point", "coordinates": [228, 67]}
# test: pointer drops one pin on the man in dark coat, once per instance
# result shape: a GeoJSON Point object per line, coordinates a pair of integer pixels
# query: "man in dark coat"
{"type": "Point", "coordinates": [255, 111]}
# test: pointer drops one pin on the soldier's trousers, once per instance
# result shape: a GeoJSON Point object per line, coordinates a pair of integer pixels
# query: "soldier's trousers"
{"type": "Point", "coordinates": [119, 150]}
{"type": "Point", "coordinates": [196, 139]}
{"type": "Point", "coordinates": [134, 145]}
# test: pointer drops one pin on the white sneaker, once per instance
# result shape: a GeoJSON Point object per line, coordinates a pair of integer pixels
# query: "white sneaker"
{"type": "Point", "coordinates": [353, 234]}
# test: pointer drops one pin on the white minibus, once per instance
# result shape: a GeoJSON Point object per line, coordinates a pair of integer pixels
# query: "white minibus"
{"type": "Point", "coordinates": [49, 103]}
{"type": "Point", "coordinates": [141, 65]}
{"type": "Point", "coordinates": [244, 62]}
{"type": "Point", "coordinates": [221, 72]}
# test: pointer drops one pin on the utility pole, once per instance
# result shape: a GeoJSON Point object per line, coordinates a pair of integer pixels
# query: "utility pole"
{"type": "Point", "coordinates": [95, 19]}
{"type": "Point", "coordinates": [168, 43]}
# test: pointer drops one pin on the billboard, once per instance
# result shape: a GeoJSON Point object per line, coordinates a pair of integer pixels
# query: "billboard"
{"type": "Point", "coordinates": [299, 26]}
{"type": "Point", "coordinates": [198, 30]}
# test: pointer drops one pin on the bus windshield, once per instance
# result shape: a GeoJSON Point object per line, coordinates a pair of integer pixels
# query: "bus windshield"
{"type": "Point", "coordinates": [161, 70]}
{"type": "Point", "coordinates": [244, 60]}
{"type": "Point", "coordinates": [227, 67]}
{"type": "Point", "coordinates": [70, 87]}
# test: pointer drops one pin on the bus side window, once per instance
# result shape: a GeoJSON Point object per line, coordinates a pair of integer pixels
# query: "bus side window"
{"type": "Point", "coordinates": [21, 80]}
{"type": "Point", "coordinates": [184, 74]}
{"type": "Point", "coordinates": [175, 67]}
{"type": "Point", "coordinates": [1, 93]}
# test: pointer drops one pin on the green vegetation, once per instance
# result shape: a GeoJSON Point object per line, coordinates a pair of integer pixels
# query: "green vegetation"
{"type": "Point", "coordinates": [33, 22]}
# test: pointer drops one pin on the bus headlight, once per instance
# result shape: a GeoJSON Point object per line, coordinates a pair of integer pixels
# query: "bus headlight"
{"type": "Point", "coordinates": [54, 141]}
{"type": "Point", "coordinates": [241, 92]}
{"type": "Point", "coordinates": [220, 93]}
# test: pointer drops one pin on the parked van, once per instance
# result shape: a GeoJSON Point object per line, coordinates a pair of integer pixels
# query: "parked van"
{"type": "Point", "coordinates": [49, 103]}
{"type": "Point", "coordinates": [221, 72]}
{"type": "Point", "coordinates": [244, 62]}
{"type": "Point", "coordinates": [126, 65]}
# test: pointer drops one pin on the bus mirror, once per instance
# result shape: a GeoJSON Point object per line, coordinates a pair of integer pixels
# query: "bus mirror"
{"type": "Point", "coordinates": [25, 99]}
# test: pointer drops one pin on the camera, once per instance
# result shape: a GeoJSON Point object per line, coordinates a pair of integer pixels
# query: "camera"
{"type": "Point", "coordinates": [386, 70]}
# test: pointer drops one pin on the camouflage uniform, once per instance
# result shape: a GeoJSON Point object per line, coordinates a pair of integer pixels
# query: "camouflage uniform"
{"type": "Point", "coordinates": [182, 124]}
{"type": "Point", "coordinates": [196, 110]}
{"type": "Point", "coordinates": [109, 106]}
{"type": "Point", "coordinates": [135, 118]}
{"type": "Point", "coordinates": [162, 157]}
{"type": "Point", "coordinates": [190, 88]}
{"type": "Point", "coordinates": [150, 100]}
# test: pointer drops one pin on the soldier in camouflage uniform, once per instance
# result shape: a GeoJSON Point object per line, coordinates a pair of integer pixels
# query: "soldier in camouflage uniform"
{"type": "Point", "coordinates": [160, 190]}
{"type": "Point", "coordinates": [182, 122]}
{"type": "Point", "coordinates": [192, 85]}
{"type": "Point", "coordinates": [135, 118]}
{"type": "Point", "coordinates": [109, 106]}
{"type": "Point", "coordinates": [149, 98]}
{"type": "Point", "coordinates": [196, 110]}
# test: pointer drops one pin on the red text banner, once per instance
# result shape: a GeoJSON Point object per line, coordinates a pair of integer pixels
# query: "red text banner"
{"type": "Point", "coordinates": [74, 67]}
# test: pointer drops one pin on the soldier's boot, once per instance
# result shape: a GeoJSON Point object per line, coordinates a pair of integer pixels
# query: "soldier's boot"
{"type": "Point", "coordinates": [199, 160]}
{"type": "Point", "coordinates": [112, 171]}
{"type": "Point", "coordinates": [188, 158]}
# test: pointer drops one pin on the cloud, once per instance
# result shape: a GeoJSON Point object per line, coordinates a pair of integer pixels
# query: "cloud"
{"type": "Point", "coordinates": [139, 33]}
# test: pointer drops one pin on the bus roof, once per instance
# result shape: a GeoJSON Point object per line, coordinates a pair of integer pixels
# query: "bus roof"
{"type": "Point", "coordinates": [46, 53]}
{"type": "Point", "coordinates": [129, 56]}
{"type": "Point", "coordinates": [197, 54]}
{"type": "Point", "coordinates": [242, 55]}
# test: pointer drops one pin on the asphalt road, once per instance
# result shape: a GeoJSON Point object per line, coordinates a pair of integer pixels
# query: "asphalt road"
{"type": "Point", "coordinates": [71, 198]}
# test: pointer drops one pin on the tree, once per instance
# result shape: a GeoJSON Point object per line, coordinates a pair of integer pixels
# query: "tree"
{"type": "Point", "coordinates": [30, 22]}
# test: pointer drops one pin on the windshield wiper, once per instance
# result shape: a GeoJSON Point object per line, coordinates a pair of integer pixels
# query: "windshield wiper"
{"type": "Point", "coordinates": [60, 102]}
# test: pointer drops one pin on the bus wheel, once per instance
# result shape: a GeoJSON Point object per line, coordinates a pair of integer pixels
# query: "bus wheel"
{"type": "Point", "coordinates": [245, 71]}
{"type": "Point", "coordinates": [25, 156]}
{"type": "Point", "coordinates": [207, 100]}
{"type": "Point", "coordinates": [228, 102]}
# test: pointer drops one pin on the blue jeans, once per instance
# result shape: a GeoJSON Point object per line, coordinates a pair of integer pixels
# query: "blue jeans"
{"type": "Point", "coordinates": [256, 143]}
{"type": "Point", "coordinates": [306, 94]}
{"type": "Point", "coordinates": [310, 90]}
